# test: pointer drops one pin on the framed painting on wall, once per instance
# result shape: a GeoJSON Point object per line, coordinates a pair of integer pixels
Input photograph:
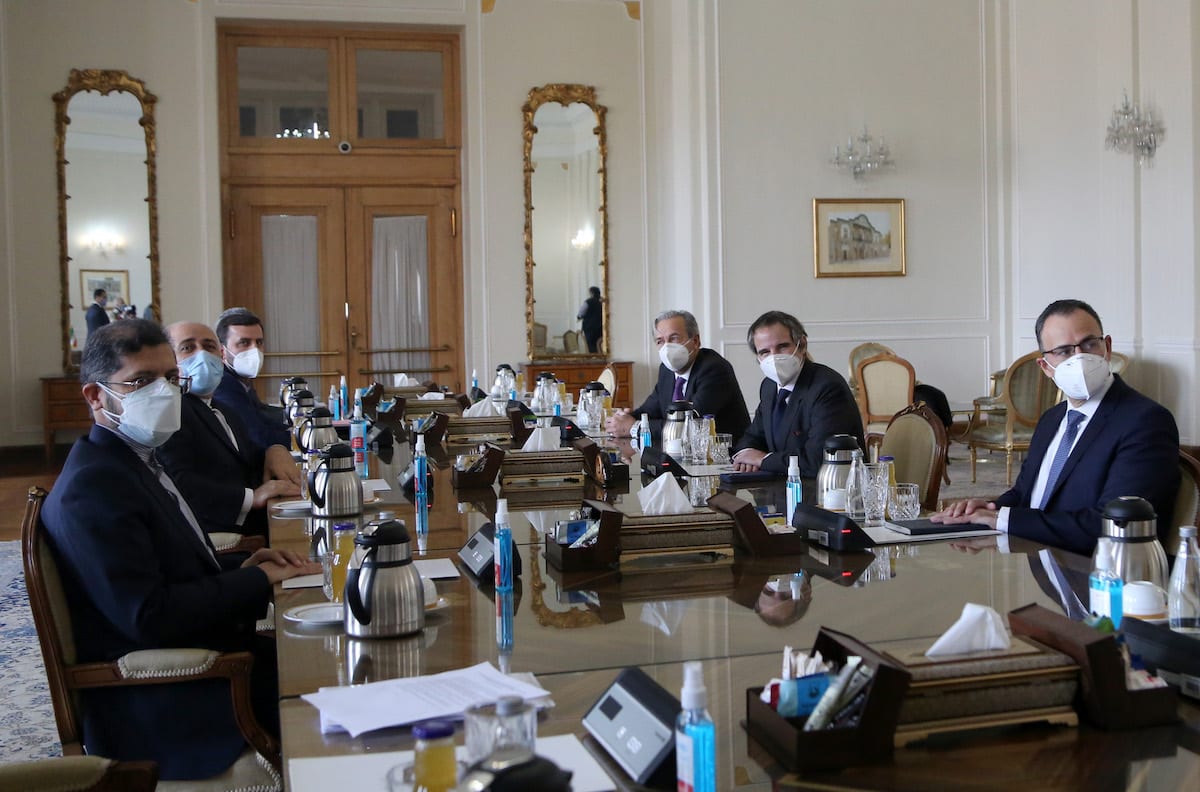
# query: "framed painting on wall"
{"type": "Point", "coordinates": [855, 238]}
{"type": "Point", "coordinates": [115, 282]}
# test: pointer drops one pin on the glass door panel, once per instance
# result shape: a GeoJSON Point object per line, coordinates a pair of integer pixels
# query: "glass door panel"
{"type": "Point", "coordinates": [400, 295]}
{"type": "Point", "coordinates": [283, 92]}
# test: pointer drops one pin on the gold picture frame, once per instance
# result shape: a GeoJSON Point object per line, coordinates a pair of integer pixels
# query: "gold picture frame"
{"type": "Point", "coordinates": [856, 238]}
{"type": "Point", "coordinates": [115, 282]}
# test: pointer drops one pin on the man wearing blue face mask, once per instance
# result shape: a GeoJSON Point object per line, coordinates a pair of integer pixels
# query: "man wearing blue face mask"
{"type": "Point", "coordinates": [1104, 441]}
{"type": "Point", "coordinates": [240, 333]}
{"type": "Point", "coordinates": [801, 402]}
{"type": "Point", "coordinates": [690, 372]}
{"type": "Point", "coordinates": [225, 476]}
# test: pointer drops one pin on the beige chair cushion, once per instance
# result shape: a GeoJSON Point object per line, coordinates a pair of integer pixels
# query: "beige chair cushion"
{"type": "Point", "coordinates": [888, 387]}
{"type": "Point", "coordinates": [250, 773]}
{"type": "Point", "coordinates": [911, 442]}
{"type": "Point", "coordinates": [162, 663]}
{"type": "Point", "coordinates": [62, 774]}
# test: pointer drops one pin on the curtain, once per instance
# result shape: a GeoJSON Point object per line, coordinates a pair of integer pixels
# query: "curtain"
{"type": "Point", "coordinates": [291, 320]}
{"type": "Point", "coordinates": [400, 293]}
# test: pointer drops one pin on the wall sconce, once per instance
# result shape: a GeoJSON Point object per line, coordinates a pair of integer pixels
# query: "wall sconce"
{"type": "Point", "coordinates": [104, 242]}
{"type": "Point", "coordinates": [862, 156]}
{"type": "Point", "coordinates": [1134, 131]}
{"type": "Point", "coordinates": [584, 238]}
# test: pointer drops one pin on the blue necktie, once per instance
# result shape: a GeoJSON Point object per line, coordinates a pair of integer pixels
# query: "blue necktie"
{"type": "Point", "coordinates": [680, 382]}
{"type": "Point", "coordinates": [1074, 418]}
{"type": "Point", "coordinates": [778, 425]}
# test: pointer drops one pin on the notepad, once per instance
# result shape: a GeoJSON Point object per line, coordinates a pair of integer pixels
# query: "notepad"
{"type": "Point", "coordinates": [929, 528]}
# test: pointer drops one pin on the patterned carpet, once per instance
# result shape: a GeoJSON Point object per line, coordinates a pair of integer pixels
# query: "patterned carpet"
{"type": "Point", "coordinates": [27, 728]}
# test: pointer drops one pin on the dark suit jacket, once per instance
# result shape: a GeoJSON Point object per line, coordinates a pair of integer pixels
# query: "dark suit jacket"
{"type": "Point", "coordinates": [712, 388]}
{"type": "Point", "coordinates": [137, 576]}
{"type": "Point", "coordinates": [210, 471]}
{"type": "Point", "coordinates": [96, 317]}
{"type": "Point", "coordinates": [821, 405]}
{"type": "Point", "coordinates": [265, 423]}
{"type": "Point", "coordinates": [1130, 447]}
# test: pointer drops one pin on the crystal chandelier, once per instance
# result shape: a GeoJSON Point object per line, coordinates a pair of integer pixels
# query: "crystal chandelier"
{"type": "Point", "coordinates": [862, 155]}
{"type": "Point", "coordinates": [1134, 131]}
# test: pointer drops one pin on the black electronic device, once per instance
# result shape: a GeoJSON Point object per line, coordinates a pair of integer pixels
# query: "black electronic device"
{"type": "Point", "coordinates": [655, 462]}
{"type": "Point", "coordinates": [479, 555]}
{"type": "Point", "coordinates": [568, 429]}
{"type": "Point", "coordinates": [634, 721]}
{"type": "Point", "coordinates": [829, 529]}
{"type": "Point", "coordinates": [1173, 655]}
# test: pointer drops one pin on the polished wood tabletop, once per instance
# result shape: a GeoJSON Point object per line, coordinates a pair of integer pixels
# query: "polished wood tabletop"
{"type": "Point", "coordinates": [575, 632]}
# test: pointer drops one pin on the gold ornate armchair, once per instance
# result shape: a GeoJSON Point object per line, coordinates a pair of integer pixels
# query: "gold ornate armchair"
{"type": "Point", "coordinates": [885, 387]}
{"type": "Point", "coordinates": [916, 440]}
{"type": "Point", "coordinates": [1005, 422]}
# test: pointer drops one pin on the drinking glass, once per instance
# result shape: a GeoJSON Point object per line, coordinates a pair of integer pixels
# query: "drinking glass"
{"type": "Point", "coordinates": [904, 502]}
{"type": "Point", "coordinates": [719, 448]}
{"type": "Point", "coordinates": [699, 437]}
{"type": "Point", "coordinates": [875, 493]}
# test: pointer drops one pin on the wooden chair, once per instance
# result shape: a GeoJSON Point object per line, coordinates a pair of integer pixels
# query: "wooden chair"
{"type": "Point", "coordinates": [79, 774]}
{"type": "Point", "coordinates": [858, 354]}
{"type": "Point", "coordinates": [1025, 393]}
{"type": "Point", "coordinates": [916, 439]}
{"type": "Point", "coordinates": [1187, 499]}
{"type": "Point", "coordinates": [539, 336]}
{"type": "Point", "coordinates": [258, 765]}
{"type": "Point", "coordinates": [571, 341]}
{"type": "Point", "coordinates": [885, 388]}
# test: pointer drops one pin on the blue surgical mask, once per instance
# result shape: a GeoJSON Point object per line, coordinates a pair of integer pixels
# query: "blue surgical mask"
{"type": "Point", "coordinates": [205, 369]}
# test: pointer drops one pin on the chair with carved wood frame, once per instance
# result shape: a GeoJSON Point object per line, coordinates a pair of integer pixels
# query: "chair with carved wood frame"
{"type": "Point", "coordinates": [259, 764]}
{"type": "Point", "coordinates": [608, 378]}
{"type": "Point", "coordinates": [886, 385]}
{"type": "Point", "coordinates": [540, 336]}
{"type": "Point", "coordinates": [1187, 499]}
{"type": "Point", "coordinates": [1025, 393]}
{"type": "Point", "coordinates": [858, 354]}
{"type": "Point", "coordinates": [570, 342]}
{"type": "Point", "coordinates": [916, 439]}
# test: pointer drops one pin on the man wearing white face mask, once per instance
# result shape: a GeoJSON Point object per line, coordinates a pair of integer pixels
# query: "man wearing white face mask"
{"type": "Point", "coordinates": [1104, 441]}
{"type": "Point", "coordinates": [240, 333]}
{"type": "Point", "coordinates": [218, 468]}
{"type": "Point", "coordinates": [801, 402]}
{"type": "Point", "coordinates": [139, 573]}
{"type": "Point", "coordinates": [690, 372]}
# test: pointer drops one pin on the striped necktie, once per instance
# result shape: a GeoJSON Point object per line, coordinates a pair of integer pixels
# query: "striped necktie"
{"type": "Point", "coordinates": [1074, 418]}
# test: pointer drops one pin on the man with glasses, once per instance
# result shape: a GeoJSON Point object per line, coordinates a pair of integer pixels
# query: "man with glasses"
{"type": "Point", "coordinates": [691, 372]}
{"type": "Point", "coordinates": [1104, 441]}
{"type": "Point", "coordinates": [139, 572]}
{"type": "Point", "coordinates": [225, 475]}
{"type": "Point", "coordinates": [801, 402]}
{"type": "Point", "coordinates": [241, 335]}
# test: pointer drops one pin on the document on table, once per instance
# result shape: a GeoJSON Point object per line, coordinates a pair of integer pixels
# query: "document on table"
{"type": "Point", "coordinates": [368, 772]}
{"type": "Point", "coordinates": [885, 535]}
{"type": "Point", "coordinates": [374, 485]}
{"type": "Point", "coordinates": [398, 702]}
{"type": "Point", "coordinates": [436, 568]}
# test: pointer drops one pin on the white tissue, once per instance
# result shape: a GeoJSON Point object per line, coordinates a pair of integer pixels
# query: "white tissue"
{"type": "Point", "coordinates": [484, 408]}
{"type": "Point", "coordinates": [664, 496]}
{"type": "Point", "coordinates": [431, 396]}
{"type": "Point", "coordinates": [544, 438]}
{"type": "Point", "coordinates": [404, 381]}
{"type": "Point", "coordinates": [979, 628]}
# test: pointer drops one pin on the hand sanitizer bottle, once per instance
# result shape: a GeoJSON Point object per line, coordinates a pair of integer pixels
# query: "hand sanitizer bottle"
{"type": "Point", "coordinates": [644, 433]}
{"type": "Point", "coordinates": [474, 382]}
{"type": "Point", "coordinates": [504, 548]}
{"type": "Point", "coordinates": [335, 405]}
{"type": "Point", "coordinates": [504, 629]}
{"type": "Point", "coordinates": [795, 488]}
{"type": "Point", "coordinates": [344, 405]}
{"type": "Point", "coordinates": [1106, 591]}
{"type": "Point", "coordinates": [695, 746]}
{"type": "Point", "coordinates": [421, 491]}
{"type": "Point", "coordinates": [358, 438]}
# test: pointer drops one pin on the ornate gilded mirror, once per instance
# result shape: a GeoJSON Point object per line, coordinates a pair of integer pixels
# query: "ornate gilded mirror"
{"type": "Point", "coordinates": [104, 132]}
{"type": "Point", "coordinates": [566, 223]}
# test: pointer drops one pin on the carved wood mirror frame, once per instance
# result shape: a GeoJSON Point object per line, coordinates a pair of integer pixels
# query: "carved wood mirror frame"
{"type": "Point", "coordinates": [565, 94]}
{"type": "Point", "coordinates": [103, 81]}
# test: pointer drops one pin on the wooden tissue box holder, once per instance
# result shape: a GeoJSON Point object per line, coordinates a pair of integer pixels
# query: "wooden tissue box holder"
{"type": "Point", "coordinates": [493, 457]}
{"type": "Point", "coordinates": [605, 552]}
{"type": "Point", "coordinates": [870, 742]}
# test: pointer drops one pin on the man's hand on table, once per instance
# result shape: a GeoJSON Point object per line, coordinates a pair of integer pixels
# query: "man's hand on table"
{"type": "Point", "coordinates": [971, 510]}
{"type": "Point", "coordinates": [279, 565]}
{"type": "Point", "coordinates": [976, 545]}
{"type": "Point", "coordinates": [279, 465]}
{"type": "Point", "coordinates": [275, 488]}
{"type": "Point", "coordinates": [620, 422]}
{"type": "Point", "coordinates": [748, 460]}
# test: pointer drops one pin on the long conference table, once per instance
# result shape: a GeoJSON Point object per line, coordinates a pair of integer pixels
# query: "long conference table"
{"type": "Point", "coordinates": [576, 632]}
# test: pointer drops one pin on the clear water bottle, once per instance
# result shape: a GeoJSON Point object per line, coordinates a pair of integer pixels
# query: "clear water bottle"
{"type": "Point", "coordinates": [856, 481]}
{"type": "Point", "coordinates": [1183, 593]}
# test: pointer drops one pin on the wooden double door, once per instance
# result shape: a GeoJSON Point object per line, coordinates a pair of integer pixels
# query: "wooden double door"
{"type": "Point", "coordinates": [361, 281]}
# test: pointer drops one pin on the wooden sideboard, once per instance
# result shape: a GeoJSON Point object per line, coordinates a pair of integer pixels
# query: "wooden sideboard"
{"type": "Point", "coordinates": [63, 407]}
{"type": "Point", "coordinates": [577, 373]}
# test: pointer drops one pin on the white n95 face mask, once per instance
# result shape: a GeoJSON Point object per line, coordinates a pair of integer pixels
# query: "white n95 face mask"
{"type": "Point", "coordinates": [1081, 376]}
{"type": "Point", "coordinates": [248, 362]}
{"type": "Point", "coordinates": [781, 368]}
{"type": "Point", "coordinates": [673, 356]}
{"type": "Point", "coordinates": [149, 415]}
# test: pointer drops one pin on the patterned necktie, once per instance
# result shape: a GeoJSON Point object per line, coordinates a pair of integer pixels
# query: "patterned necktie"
{"type": "Point", "coordinates": [1074, 418]}
{"type": "Point", "coordinates": [680, 382]}
{"type": "Point", "coordinates": [778, 424]}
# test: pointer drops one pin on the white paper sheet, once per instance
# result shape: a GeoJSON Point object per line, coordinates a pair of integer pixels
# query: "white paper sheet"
{"type": "Point", "coordinates": [305, 581]}
{"type": "Point", "coordinates": [368, 772]}
{"type": "Point", "coordinates": [398, 702]}
{"type": "Point", "coordinates": [436, 568]}
{"type": "Point", "coordinates": [374, 485]}
{"type": "Point", "coordinates": [885, 535]}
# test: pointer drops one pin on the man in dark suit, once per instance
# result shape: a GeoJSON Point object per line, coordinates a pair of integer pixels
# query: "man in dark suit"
{"type": "Point", "coordinates": [687, 371]}
{"type": "Point", "coordinates": [241, 335]}
{"type": "Point", "coordinates": [220, 471]}
{"type": "Point", "coordinates": [138, 571]}
{"type": "Point", "coordinates": [1105, 441]}
{"type": "Point", "coordinates": [96, 317]}
{"type": "Point", "coordinates": [801, 403]}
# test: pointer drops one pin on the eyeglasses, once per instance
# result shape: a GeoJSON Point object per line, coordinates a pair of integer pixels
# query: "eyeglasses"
{"type": "Point", "coordinates": [1091, 345]}
{"type": "Point", "coordinates": [183, 383]}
